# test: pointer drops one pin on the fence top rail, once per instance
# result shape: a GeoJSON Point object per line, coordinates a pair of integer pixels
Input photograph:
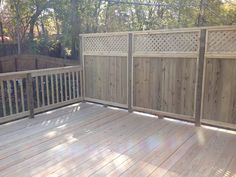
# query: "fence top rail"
{"type": "Point", "coordinates": [174, 30]}
{"type": "Point", "coordinates": [40, 72]}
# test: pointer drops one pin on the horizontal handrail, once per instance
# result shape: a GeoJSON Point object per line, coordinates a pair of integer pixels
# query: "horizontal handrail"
{"type": "Point", "coordinates": [48, 70]}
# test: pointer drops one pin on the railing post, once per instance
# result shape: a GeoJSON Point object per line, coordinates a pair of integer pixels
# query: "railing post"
{"type": "Point", "coordinates": [200, 71]}
{"type": "Point", "coordinates": [81, 46]}
{"type": "Point", "coordinates": [130, 63]}
{"type": "Point", "coordinates": [30, 97]}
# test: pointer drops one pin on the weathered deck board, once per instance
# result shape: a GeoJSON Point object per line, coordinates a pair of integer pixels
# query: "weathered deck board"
{"type": "Point", "coordinates": [90, 140]}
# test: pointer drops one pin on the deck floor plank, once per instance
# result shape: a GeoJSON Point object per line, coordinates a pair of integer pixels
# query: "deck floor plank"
{"type": "Point", "coordinates": [52, 142]}
{"type": "Point", "coordinates": [42, 118]}
{"type": "Point", "coordinates": [90, 140]}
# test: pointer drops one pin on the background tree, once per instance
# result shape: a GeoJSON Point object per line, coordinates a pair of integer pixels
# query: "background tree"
{"type": "Point", "coordinates": [52, 27]}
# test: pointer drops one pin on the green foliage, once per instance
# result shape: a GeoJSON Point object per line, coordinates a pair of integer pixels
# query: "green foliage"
{"type": "Point", "coordinates": [58, 23]}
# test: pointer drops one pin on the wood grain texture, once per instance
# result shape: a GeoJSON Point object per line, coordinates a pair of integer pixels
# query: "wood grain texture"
{"type": "Point", "coordinates": [165, 84]}
{"type": "Point", "coordinates": [106, 78]}
{"type": "Point", "coordinates": [90, 140]}
{"type": "Point", "coordinates": [220, 91]}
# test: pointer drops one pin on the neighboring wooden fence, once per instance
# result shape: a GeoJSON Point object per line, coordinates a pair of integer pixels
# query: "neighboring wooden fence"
{"type": "Point", "coordinates": [31, 62]}
{"type": "Point", "coordinates": [8, 49]}
{"type": "Point", "coordinates": [28, 92]}
{"type": "Point", "coordinates": [184, 73]}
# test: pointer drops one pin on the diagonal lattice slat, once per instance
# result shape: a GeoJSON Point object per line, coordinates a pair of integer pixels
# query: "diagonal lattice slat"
{"type": "Point", "coordinates": [116, 43]}
{"type": "Point", "coordinates": [167, 42]}
{"type": "Point", "coordinates": [221, 41]}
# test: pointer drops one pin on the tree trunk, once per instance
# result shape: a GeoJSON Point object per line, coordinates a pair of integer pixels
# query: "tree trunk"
{"type": "Point", "coordinates": [96, 14]}
{"type": "Point", "coordinates": [107, 17]}
{"type": "Point", "coordinates": [201, 16]}
{"type": "Point", "coordinates": [34, 19]}
{"type": "Point", "coordinates": [18, 27]}
{"type": "Point", "coordinates": [2, 34]}
{"type": "Point", "coordinates": [57, 27]}
{"type": "Point", "coordinates": [31, 30]}
{"type": "Point", "coordinates": [75, 29]}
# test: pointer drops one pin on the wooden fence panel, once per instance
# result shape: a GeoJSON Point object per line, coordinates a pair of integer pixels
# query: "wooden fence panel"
{"type": "Point", "coordinates": [164, 72]}
{"type": "Point", "coordinates": [165, 84]}
{"type": "Point", "coordinates": [219, 100]}
{"type": "Point", "coordinates": [106, 78]}
{"type": "Point", "coordinates": [105, 68]}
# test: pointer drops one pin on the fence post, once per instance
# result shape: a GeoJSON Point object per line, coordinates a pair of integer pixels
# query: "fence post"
{"type": "Point", "coordinates": [200, 71]}
{"type": "Point", "coordinates": [130, 63]}
{"type": "Point", "coordinates": [81, 47]}
{"type": "Point", "coordinates": [30, 97]}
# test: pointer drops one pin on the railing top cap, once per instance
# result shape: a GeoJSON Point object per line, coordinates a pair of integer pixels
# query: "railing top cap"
{"type": "Point", "coordinates": [39, 70]}
{"type": "Point", "coordinates": [160, 30]}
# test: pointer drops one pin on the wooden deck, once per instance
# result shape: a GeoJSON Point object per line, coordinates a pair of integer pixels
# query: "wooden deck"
{"type": "Point", "coordinates": [90, 140]}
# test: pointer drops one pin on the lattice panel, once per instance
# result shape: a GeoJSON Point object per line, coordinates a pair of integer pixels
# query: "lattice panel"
{"type": "Point", "coordinates": [221, 41]}
{"type": "Point", "coordinates": [116, 43]}
{"type": "Point", "coordinates": [167, 42]}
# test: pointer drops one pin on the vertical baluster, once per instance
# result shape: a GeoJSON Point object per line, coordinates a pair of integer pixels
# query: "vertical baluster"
{"type": "Point", "coordinates": [73, 78]}
{"type": "Point", "coordinates": [80, 84]}
{"type": "Point", "coordinates": [42, 91]}
{"type": "Point", "coordinates": [77, 82]}
{"type": "Point", "coordinates": [9, 95]}
{"type": "Point", "coordinates": [22, 96]}
{"type": "Point", "coordinates": [61, 87]}
{"type": "Point", "coordinates": [65, 82]}
{"type": "Point", "coordinates": [16, 96]}
{"type": "Point", "coordinates": [52, 89]}
{"type": "Point", "coordinates": [47, 87]}
{"type": "Point", "coordinates": [3, 99]}
{"type": "Point", "coordinates": [37, 90]}
{"type": "Point", "coordinates": [69, 85]}
{"type": "Point", "coordinates": [57, 91]}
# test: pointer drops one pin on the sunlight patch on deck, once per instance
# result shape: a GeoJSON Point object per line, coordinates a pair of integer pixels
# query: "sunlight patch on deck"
{"type": "Point", "coordinates": [219, 129]}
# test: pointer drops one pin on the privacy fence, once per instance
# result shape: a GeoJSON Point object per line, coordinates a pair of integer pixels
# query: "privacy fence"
{"type": "Point", "coordinates": [186, 74]}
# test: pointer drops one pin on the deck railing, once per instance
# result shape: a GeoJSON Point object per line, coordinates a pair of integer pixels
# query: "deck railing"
{"type": "Point", "coordinates": [28, 92]}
